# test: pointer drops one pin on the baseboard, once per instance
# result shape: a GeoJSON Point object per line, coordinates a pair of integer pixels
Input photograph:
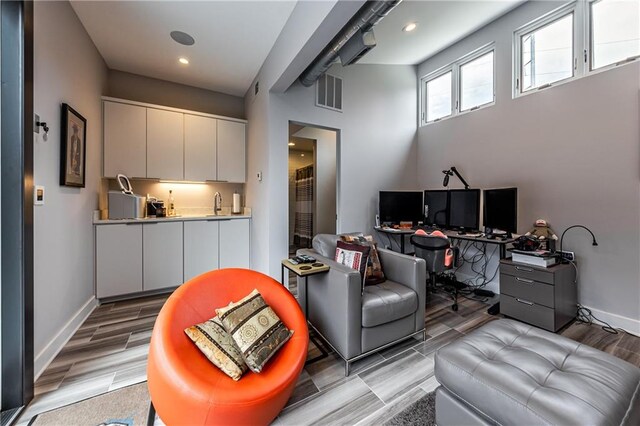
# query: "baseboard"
{"type": "Point", "coordinates": [49, 352]}
{"type": "Point", "coordinates": [630, 325]}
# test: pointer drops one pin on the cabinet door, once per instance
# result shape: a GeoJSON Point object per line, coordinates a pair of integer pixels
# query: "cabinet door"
{"type": "Point", "coordinates": [165, 144]}
{"type": "Point", "coordinates": [118, 259]}
{"type": "Point", "coordinates": [162, 255]}
{"type": "Point", "coordinates": [234, 243]}
{"type": "Point", "coordinates": [231, 151]}
{"type": "Point", "coordinates": [199, 148]}
{"type": "Point", "coordinates": [200, 248]}
{"type": "Point", "coordinates": [125, 140]}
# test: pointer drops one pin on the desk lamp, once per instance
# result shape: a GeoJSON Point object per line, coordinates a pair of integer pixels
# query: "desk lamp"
{"type": "Point", "coordinates": [594, 243]}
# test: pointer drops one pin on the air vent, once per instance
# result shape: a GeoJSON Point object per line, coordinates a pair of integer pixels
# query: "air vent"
{"type": "Point", "coordinates": [329, 92]}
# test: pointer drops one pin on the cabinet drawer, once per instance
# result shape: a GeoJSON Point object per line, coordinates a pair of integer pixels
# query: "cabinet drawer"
{"type": "Point", "coordinates": [527, 311]}
{"type": "Point", "coordinates": [527, 272]}
{"type": "Point", "coordinates": [524, 288]}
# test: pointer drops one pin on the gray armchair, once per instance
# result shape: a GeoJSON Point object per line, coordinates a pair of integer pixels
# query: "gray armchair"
{"type": "Point", "coordinates": [357, 324]}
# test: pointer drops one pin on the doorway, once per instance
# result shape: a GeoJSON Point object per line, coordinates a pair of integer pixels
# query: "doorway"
{"type": "Point", "coordinates": [313, 183]}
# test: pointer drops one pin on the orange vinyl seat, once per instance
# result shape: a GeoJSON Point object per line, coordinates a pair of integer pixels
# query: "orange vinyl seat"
{"type": "Point", "coordinates": [187, 389]}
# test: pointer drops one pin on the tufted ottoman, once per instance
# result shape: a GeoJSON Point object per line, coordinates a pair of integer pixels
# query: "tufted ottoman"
{"type": "Point", "coordinates": [511, 373]}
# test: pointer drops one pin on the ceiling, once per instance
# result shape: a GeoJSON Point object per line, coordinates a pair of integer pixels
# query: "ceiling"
{"type": "Point", "coordinates": [440, 24]}
{"type": "Point", "coordinates": [233, 38]}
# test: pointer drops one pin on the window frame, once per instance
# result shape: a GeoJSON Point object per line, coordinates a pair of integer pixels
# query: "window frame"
{"type": "Point", "coordinates": [573, 8]}
{"type": "Point", "coordinates": [456, 87]}
{"type": "Point", "coordinates": [588, 48]}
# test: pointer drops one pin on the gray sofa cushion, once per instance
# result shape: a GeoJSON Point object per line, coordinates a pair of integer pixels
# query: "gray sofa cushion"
{"type": "Point", "coordinates": [515, 373]}
{"type": "Point", "coordinates": [387, 302]}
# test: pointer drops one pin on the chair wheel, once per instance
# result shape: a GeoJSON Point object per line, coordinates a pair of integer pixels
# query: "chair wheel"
{"type": "Point", "coordinates": [454, 307]}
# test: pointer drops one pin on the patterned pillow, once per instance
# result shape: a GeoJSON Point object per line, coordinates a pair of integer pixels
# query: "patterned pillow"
{"type": "Point", "coordinates": [374, 273]}
{"type": "Point", "coordinates": [218, 346]}
{"type": "Point", "coordinates": [354, 256]}
{"type": "Point", "coordinates": [255, 328]}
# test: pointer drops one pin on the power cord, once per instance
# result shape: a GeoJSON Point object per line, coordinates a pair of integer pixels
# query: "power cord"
{"type": "Point", "coordinates": [585, 315]}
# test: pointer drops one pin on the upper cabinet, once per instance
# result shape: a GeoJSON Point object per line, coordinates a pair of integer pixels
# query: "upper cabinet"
{"type": "Point", "coordinates": [200, 145]}
{"type": "Point", "coordinates": [125, 140]}
{"type": "Point", "coordinates": [155, 142]}
{"type": "Point", "coordinates": [165, 144]}
{"type": "Point", "coordinates": [231, 151]}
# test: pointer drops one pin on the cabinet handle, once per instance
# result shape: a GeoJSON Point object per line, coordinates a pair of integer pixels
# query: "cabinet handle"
{"type": "Point", "coordinates": [522, 280]}
{"type": "Point", "coordinates": [518, 268]}
{"type": "Point", "coordinates": [526, 302]}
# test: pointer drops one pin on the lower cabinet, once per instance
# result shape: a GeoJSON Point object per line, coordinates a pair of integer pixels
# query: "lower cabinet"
{"type": "Point", "coordinates": [201, 248]}
{"type": "Point", "coordinates": [234, 243]}
{"type": "Point", "coordinates": [139, 257]}
{"type": "Point", "coordinates": [118, 259]}
{"type": "Point", "coordinates": [162, 255]}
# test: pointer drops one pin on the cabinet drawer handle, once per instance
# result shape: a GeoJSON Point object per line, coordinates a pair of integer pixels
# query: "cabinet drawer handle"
{"type": "Point", "coordinates": [526, 302]}
{"type": "Point", "coordinates": [518, 268]}
{"type": "Point", "coordinates": [522, 280]}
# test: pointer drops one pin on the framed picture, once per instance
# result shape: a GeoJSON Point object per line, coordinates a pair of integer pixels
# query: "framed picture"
{"type": "Point", "coordinates": [73, 143]}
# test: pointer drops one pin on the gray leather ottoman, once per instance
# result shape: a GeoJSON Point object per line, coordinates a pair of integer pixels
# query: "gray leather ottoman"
{"type": "Point", "coordinates": [510, 373]}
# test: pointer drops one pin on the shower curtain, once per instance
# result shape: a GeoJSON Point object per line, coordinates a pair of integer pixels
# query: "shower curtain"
{"type": "Point", "coordinates": [303, 227]}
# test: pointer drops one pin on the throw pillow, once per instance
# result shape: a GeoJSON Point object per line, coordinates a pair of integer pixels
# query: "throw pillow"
{"type": "Point", "coordinates": [354, 256]}
{"type": "Point", "coordinates": [256, 329]}
{"type": "Point", "coordinates": [218, 346]}
{"type": "Point", "coordinates": [374, 273]}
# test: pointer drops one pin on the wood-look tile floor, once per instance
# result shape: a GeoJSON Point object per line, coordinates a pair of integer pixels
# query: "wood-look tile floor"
{"type": "Point", "coordinates": [109, 351]}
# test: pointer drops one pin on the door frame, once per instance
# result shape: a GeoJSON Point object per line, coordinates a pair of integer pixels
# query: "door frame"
{"type": "Point", "coordinates": [338, 168]}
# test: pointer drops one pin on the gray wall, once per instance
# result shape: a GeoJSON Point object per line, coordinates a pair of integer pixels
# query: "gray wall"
{"type": "Point", "coordinates": [573, 153]}
{"type": "Point", "coordinates": [67, 68]}
{"type": "Point", "coordinates": [146, 89]}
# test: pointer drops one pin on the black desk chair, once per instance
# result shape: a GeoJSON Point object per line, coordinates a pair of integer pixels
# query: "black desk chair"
{"type": "Point", "coordinates": [433, 250]}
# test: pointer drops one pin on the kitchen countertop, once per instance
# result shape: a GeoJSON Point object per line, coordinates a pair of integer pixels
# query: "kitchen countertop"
{"type": "Point", "coordinates": [185, 218]}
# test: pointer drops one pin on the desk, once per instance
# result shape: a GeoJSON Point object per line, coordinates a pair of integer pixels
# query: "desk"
{"type": "Point", "coordinates": [501, 243]}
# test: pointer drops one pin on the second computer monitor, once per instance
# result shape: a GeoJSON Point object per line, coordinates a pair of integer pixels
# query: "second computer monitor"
{"type": "Point", "coordinates": [436, 207]}
{"type": "Point", "coordinates": [464, 208]}
{"type": "Point", "coordinates": [501, 209]}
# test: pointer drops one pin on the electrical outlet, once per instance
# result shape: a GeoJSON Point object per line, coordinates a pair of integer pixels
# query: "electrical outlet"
{"type": "Point", "coordinates": [568, 255]}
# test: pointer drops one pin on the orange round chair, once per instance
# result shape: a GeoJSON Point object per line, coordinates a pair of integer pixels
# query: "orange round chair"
{"type": "Point", "coordinates": [187, 389]}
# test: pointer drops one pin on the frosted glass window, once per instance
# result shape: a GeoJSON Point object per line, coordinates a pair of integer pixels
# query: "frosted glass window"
{"type": "Point", "coordinates": [547, 54]}
{"type": "Point", "coordinates": [476, 82]}
{"type": "Point", "coordinates": [615, 31]}
{"type": "Point", "coordinates": [439, 97]}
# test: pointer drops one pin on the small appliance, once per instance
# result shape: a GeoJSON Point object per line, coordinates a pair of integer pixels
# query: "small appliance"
{"type": "Point", "coordinates": [124, 204]}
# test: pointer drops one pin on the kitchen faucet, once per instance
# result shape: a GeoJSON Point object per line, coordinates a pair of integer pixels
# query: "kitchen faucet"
{"type": "Point", "coordinates": [217, 203]}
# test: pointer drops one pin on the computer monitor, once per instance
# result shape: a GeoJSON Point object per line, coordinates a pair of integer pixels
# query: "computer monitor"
{"type": "Point", "coordinates": [436, 205]}
{"type": "Point", "coordinates": [501, 209]}
{"type": "Point", "coordinates": [464, 208]}
{"type": "Point", "coordinates": [400, 206]}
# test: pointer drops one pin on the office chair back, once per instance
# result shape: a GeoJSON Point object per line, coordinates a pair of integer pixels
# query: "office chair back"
{"type": "Point", "coordinates": [433, 250]}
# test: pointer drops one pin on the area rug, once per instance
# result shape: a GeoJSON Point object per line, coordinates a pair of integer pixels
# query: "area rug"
{"type": "Point", "coordinates": [422, 412]}
{"type": "Point", "coordinates": [123, 407]}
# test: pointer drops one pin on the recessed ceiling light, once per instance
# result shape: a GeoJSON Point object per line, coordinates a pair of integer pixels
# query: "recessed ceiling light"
{"type": "Point", "coordinates": [292, 144]}
{"type": "Point", "coordinates": [182, 38]}
{"type": "Point", "coordinates": [301, 155]}
{"type": "Point", "coordinates": [183, 61]}
{"type": "Point", "coordinates": [409, 27]}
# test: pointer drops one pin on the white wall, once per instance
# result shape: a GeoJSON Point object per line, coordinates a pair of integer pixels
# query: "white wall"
{"type": "Point", "coordinates": [573, 153]}
{"type": "Point", "coordinates": [325, 168]}
{"type": "Point", "coordinates": [67, 68]}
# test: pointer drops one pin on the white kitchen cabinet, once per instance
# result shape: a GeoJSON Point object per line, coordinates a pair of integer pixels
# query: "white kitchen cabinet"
{"type": "Point", "coordinates": [199, 148]}
{"type": "Point", "coordinates": [234, 243]}
{"type": "Point", "coordinates": [125, 140]}
{"type": "Point", "coordinates": [165, 144]}
{"type": "Point", "coordinates": [231, 151]}
{"type": "Point", "coordinates": [118, 259]}
{"type": "Point", "coordinates": [201, 248]}
{"type": "Point", "coordinates": [162, 255]}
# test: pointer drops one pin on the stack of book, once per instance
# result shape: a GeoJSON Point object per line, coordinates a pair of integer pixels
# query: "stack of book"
{"type": "Point", "coordinates": [541, 258]}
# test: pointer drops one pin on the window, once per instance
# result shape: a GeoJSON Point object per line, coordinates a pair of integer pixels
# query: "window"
{"type": "Point", "coordinates": [464, 85]}
{"type": "Point", "coordinates": [615, 31]}
{"type": "Point", "coordinates": [439, 97]}
{"type": "Point", "coordinates": [476, 82]}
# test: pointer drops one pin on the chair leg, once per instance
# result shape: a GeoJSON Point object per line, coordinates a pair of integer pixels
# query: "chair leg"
{"type": "Point", "coordinates": [424, 334]}
{"type": "Point", "coordinates": [347, 368]}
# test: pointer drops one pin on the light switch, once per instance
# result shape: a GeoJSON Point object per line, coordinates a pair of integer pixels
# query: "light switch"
{"type": "Point", "coordinates": [38, 195]}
